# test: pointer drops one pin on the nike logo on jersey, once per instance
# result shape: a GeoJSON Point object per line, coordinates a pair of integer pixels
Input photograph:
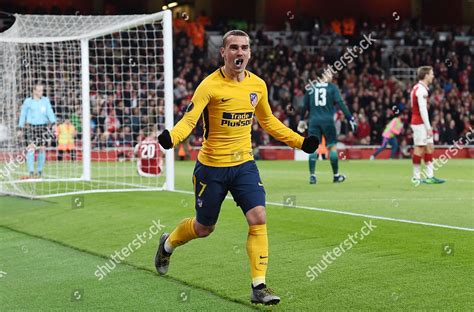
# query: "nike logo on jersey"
{"type": "Point", "coordinates": [225, 100]}
{"type": "Point", "coordinates": [263, 257]}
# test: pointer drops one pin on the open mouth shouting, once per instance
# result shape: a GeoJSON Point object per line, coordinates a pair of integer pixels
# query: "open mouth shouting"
{"type": "Point", "coordinates": [238, 62]}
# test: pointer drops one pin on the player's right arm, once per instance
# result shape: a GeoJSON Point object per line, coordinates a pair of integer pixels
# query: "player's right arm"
{"type": "Point", "coordinates": [340, 101]}
{"type": "Point", "coordinates": [343, 106]}
{"type": "Point", "coordinates": [422, 96]}
{"type": "Point", "coordinates": [194, 110]}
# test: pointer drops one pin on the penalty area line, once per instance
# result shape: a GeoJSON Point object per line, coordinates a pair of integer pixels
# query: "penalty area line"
{"type": "Point", "coordinates": [354, 214]}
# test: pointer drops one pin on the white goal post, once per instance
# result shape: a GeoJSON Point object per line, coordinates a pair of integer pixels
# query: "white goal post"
{"type": "Point", "coordinates": [109, 80]}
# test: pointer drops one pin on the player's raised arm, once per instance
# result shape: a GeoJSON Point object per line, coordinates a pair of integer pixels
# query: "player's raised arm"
{"type": "Point", "coordinates": [184, 127]}
{"type": "Point", "coordinates": [279, 131]}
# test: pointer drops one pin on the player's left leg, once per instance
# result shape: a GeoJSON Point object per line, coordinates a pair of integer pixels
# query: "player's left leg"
{"type": "Point", "coordinates": [41, 160]}
{"type": "Point", "coordinates": [30, 160]}
{"type": "Point", "coordinates": [257, 250]}
{"type": "Point", "coordinates": [331, 139]}
{"type": "Point", "coordinates": [248, 192]}
{"type": "Point", "coordinates": [337, 177]}
{"type": "Point", "coordinates": [31, 149]}
{"type": "Point", "coordinates": [43, 135]}
{"type": "Point", "coordinates": [428, 158]}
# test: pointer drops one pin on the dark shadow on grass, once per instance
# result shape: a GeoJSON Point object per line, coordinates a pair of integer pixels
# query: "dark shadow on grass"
{"type": "Point", "coordinates": [141, 268]}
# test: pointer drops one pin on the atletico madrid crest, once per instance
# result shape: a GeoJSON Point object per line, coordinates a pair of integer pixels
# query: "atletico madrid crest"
{"type": "Point", "coordinates": [253, 99]}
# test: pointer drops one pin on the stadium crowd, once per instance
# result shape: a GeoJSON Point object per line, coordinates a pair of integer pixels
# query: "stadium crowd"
{"type": "Point", "coordinates": [372, 95]}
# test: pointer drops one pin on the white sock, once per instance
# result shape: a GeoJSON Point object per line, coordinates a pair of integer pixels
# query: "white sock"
{"type": "Point", "coordinates": [168, 247]}
{"type": "Point", "coordinates": [429, 169]}
{"type": "Point", "coordinates": [416, 171]}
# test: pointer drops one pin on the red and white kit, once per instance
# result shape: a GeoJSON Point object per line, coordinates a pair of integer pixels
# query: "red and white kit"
{"type": "Point", "coordinates": [420, 122]}
{"type": "Point", "coordinates": [150, 159]}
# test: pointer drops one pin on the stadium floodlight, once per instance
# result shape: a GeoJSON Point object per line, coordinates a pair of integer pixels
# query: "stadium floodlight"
{"type": "Point", "coordinates": [110, 76]}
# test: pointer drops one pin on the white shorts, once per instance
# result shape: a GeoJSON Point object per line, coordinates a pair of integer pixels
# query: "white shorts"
{"type": "Point", "coordinates": [420, 136]}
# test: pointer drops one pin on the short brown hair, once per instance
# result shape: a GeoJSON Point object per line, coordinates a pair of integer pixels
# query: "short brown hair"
{"type": "Point", "coordinates": [422, 71]}
{"type": "Point", "coordinates": [235, 32]}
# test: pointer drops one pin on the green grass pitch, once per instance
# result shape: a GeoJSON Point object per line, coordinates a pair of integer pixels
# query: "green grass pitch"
{"type": "Point", "coordinates": [49, 251]}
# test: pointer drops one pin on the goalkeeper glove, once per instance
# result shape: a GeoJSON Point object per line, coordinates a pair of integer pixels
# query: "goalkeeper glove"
{"type": "Point", "coordinates": [302, 126]}
{"type": "Point", "coordinates": [310, 144]}
{"type": "Point", "coordinates": [352, 123]}
{"type": "Point", "coordinates": [165, 139]}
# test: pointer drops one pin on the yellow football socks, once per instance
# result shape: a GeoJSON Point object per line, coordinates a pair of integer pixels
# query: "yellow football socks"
{"type": "Point", "coordinates": [182, 234]}
{"type": "Point", "coordinates": [257, 249]}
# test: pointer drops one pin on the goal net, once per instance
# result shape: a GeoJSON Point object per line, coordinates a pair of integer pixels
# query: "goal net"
{"type": "Point", "coordinates": [109, 82]}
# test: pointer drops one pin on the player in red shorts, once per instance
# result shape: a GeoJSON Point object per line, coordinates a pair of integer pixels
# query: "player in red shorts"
{"type": "Point", "coordinates": [149, 154]}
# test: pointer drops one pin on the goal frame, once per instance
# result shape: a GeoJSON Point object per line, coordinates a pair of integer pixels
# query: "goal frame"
{"type": "Point", "coordinates": [167, 20]}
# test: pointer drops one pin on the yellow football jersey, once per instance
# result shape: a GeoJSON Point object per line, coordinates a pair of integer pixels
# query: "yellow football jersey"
{"type": "Point", "coordinates": [227, 108]}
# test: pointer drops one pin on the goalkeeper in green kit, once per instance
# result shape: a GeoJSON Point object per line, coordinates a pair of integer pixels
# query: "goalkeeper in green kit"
{"type": "Point", "coordinates": [319, 100]}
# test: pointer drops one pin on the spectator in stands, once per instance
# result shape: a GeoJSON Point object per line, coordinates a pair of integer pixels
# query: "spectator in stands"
{"type": "Point", "coordinates": [451, 133]}
{"type": "Point", "coordinates": [363, 131]}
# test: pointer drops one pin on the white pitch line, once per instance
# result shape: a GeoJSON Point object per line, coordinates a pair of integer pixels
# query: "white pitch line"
{"type": "Point", "coordinates": [460, 180]}
{"type": "Point", "coordinates": [354, 214]}
{"type": "Point", "coordinates": [378, 217]}
{"type": "Point", "coordinates": [391, 199]}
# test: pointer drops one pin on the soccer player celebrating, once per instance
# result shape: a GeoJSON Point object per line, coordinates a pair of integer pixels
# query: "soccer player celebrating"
{"type": "Point", "coordinates": [420, 123]}
{"type": "Point", "coordinates": [392, 129]}
{"type": "Point", "coordinates": [36, 114]}
{"type": "Point", "coordinates": [319, 100]}
{"type": "Point", "coordinates": [227, 100]}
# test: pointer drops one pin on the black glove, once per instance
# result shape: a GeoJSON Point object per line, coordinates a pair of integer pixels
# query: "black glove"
{"type": "Point", "coordinates": [165, 139]}
{"type": "Point", "coordinates": [310, 144]}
